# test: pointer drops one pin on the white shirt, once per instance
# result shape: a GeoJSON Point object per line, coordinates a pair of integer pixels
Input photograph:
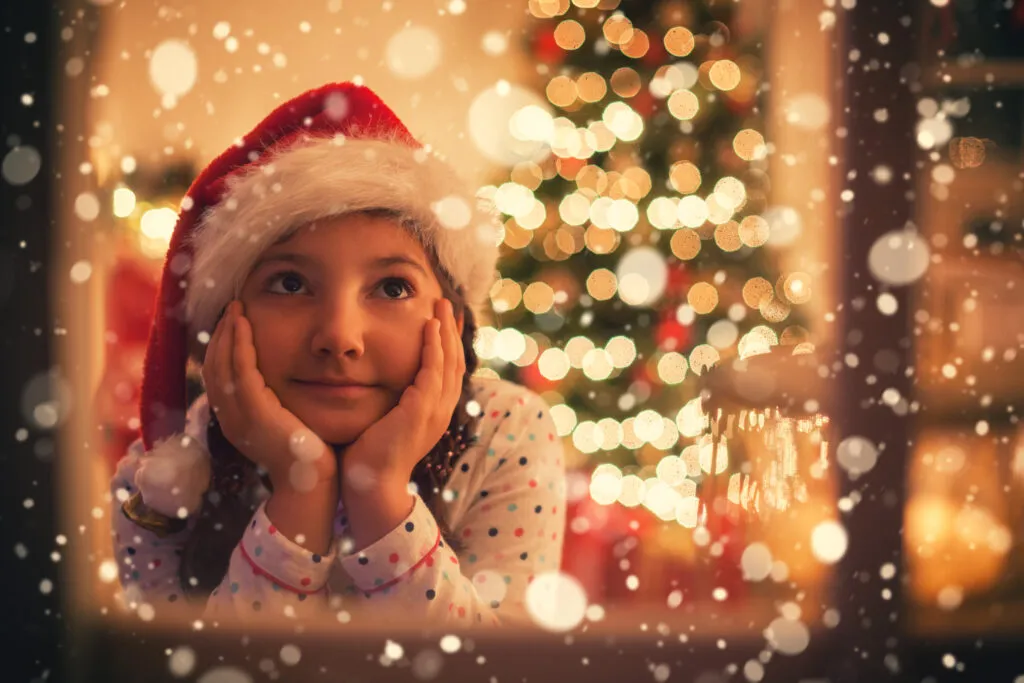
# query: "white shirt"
{"type": "Point", "coordinates": [505, 502]}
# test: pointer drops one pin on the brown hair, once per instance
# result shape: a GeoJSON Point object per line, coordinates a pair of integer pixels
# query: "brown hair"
{"type": "Point", "coordinates": [231, 501]}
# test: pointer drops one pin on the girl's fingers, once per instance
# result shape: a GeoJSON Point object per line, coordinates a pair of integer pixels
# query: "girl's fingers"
{"type": "Point", "coordinates": [456, 354]}
{"type": "Point", "coordinates": [454, 361]}
{"type": "Point", "coordinates": [443, 336]}
{"type": "Point", "coordinates": [225, 374]}
{"type": "Point", "coordinates": [249, 382]}
{"type": "Point", "coordinates": [448, 339]}
{"type": "Point", "coordinates": [211, 372]}
{"type": "Point", "coordinates": [429, 378]}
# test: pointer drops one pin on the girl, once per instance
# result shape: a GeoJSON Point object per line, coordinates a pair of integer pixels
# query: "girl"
{"type": "Point", "coordinates": [324, 270]}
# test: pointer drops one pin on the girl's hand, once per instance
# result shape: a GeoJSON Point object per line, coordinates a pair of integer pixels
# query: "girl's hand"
{"type": "Point", "coordinates": [390, 448]}
{"type": "Point", "coordinates": [252, 417]}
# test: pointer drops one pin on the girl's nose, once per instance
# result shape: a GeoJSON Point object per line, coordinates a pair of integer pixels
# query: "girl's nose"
{"type": "Point", "coordinates": [340, 330]}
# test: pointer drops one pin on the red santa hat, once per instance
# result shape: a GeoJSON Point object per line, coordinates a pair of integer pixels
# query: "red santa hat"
{"type": "Point", "coordinates": [330, 151]}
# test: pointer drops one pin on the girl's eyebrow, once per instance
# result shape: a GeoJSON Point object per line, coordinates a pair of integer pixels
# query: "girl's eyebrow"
{"type": "Point", "coordinates": [385, 261]}
{"type": "Point", "coordinates": [287, 257]}
{"type": "Point", "coordinates": [302, 259]}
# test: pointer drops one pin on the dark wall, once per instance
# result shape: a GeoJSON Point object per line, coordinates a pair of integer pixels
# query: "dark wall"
{"type": "Point", "coordinates": [31, 624]}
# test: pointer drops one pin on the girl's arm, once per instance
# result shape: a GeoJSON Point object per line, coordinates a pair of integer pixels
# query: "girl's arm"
{"type": "Point", "coordinates": [268, 572]}
{"type": "Point", "coordinates": [511, 532]}
{"type": "Point", "coordinates": [281, 565]}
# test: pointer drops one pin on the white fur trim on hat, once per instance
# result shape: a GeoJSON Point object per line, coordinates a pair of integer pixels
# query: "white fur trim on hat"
{"type": "Point", "coordinates": [174, 475]}
{"type": "Point", "coordinates": [322, 177]}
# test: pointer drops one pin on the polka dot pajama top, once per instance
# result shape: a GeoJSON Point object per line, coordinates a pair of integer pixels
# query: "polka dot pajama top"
{"type": "Point", "coordinates": [505, 503]}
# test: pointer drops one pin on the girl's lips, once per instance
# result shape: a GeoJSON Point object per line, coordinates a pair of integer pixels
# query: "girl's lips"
{"type": "Point", "coordinates": [335, 390]}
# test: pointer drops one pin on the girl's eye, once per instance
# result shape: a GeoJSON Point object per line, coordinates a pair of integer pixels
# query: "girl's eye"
{"type": "Point", "coordinates": [288, 283]}
{"type": "Point", "coordinates": [396, 285]}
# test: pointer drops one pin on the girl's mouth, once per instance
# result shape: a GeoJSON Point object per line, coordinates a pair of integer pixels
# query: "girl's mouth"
{"type": "Point", "coordinates": [329, 390]}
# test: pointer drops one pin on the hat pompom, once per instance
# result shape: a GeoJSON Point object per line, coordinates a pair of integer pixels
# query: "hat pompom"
{"type": "Point", "coordinates": [174, 475]}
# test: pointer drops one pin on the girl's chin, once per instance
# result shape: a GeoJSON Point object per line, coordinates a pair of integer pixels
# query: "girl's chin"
{"type": "Point", "coordinates": [337, 427]}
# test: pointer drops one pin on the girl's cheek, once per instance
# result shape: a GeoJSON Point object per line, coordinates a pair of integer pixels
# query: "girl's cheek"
{"type": "Point", "coordinates": [266, 340]}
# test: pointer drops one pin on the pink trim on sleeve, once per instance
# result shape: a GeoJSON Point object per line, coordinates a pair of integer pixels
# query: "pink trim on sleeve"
{"type": "Point", "coordinates": [256, 569]}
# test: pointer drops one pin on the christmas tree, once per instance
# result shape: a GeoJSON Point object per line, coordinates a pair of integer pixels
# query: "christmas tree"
{"type": "Point", "coordinates": [635, 250]}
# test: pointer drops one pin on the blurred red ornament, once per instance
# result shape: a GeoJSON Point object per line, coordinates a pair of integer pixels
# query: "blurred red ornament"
{"type": "Point", "coordinates": [728, 528]}
{"type": "Point", "coordinates": [569, 167]}
{"type": "Point", "coordinates": [656, 52]}
{"type": "Point", "coordinates": [679, 281]}
{"type": "Point", "coordinates": [546, 49]}
{"type": "Point", "coordinates": [597, 540]}
{"type": "Point", "coordinates": [532, 379]}
{"type": "Point", "coordinates": [644, 104]}
{"type": "Point", "coordinates": [672, 335]}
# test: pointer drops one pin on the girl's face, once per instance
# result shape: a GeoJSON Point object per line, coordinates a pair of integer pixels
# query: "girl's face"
{"type": "Point", "coordinates": [342, 300]}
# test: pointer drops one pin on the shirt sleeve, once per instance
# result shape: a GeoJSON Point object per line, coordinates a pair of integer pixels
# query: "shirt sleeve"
{"type": "Point", "coordinates": [147, 564]}
{"type": "Point", "coordinates": [511, 532]}
{"type": "Point", "coordinates": [267, 572]}
{"type": "Point", "coordinates": [273, 575]}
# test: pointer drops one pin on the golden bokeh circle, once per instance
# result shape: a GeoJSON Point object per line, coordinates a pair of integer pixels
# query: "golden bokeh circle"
{"type": "Point", "coordinates": [561, 91]}
{"type": "Point", "coordinates": [638, 182]}
{"type": "Point", "coordinates": [625, 82]}
{"type": "Point", "coordinates": [506, 294]}
{"type": "Point", "coordinates": [515, 236]}
{"type": "Point", "coordinates": [727, 236]}
{"type": "Point", "coordinates": [679, 41]}
{"type": "Point", "coordinates": [592, 178]}
{"type": "Point", "coordinates": [754, 231]}
{"type": "Point", "coordinates": [570, 35]}
{"type": "Point", "coordinates": [617, 29]}
{"type": "Point", "coordinates": [684, 177]}
{"type": "Point", "coordinates": [773, 309]}
{"type": "Point", "coordinates": [548, 9]}
{"type": "Point", "coordinates": [796, 287]}
{"type": "Point", "coordinates": [601, 240]}
{"type": "Point", "coordinates": [725, 74]}
{"type": "Point", "coordinates": [702, 297]}
{"type": "Point", "coordinates": [591, 86]}
{"type": "Point", "coordinates": [749, 145]}
{"type": "Point", "coordinates": [538, 297]}
{"type": "Point", "coordinates": [683, 105]}
{"type": "Point", "coordinates": [755, 290]}
{"type": "Point", "coordinates": [685, 244]}
{"type": "Point", "coordinates": [637, 45]}
{"type": "Point", "coordinates": [602, 284]}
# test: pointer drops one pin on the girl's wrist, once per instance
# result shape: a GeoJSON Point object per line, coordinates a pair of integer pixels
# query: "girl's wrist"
{"type": "Point", "coordinates": [300, 483]}
{"type": "Point", "coordinates": [302, 476]}
{"type": "Point", "coordinates": [358, 476]}
{"type": "Point", "coordinates": [306, 517]}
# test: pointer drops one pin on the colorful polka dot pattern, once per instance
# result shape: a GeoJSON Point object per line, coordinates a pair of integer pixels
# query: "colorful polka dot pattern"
{"type": "Point", "coordinates": [398, 556]}
{"type": "Point", "coordinates": [507, 509]}
{"type": "Point", "coordinates": [276, 558]}
{"type": "Point", "coordinates": [146, 563]}
{"type": "Point", "coordinates": [505, 505]}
